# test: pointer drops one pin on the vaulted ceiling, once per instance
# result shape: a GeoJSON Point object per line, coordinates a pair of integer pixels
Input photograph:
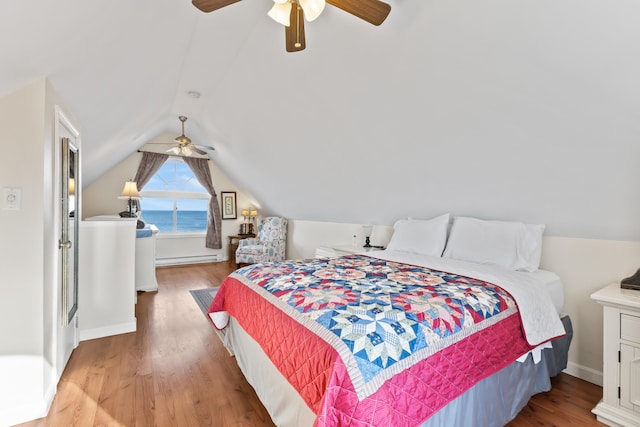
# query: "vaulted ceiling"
{"type": "Point", "coordinates": [495, 108]}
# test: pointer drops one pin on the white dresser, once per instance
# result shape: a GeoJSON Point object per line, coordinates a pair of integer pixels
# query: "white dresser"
{"type": "Point", "coordinates": [106, 278]}
{"type": "Point", "coordinates": [145, 253]}
{"type": "Point", "coordinates": [620, 404]}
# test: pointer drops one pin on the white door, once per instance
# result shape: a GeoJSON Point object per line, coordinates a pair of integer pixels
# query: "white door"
{"type": "Point", "coordinates": [68, 214]}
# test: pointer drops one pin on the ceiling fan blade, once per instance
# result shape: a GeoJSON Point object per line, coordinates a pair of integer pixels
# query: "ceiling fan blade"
{"type": "Point", "coordinates": [199, 151]}
{"type": "Point", "coordinates": [372, 11]}
{"type": "Point", "coordinates": [211, 5]}
{"type": "Point", "coordinates": [294, 33]}
{"type": "Point", "coordinates": [205, 147]}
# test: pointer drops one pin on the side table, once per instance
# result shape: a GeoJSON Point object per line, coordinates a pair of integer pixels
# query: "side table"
{"type": "Point", "coordinates": [620, 404]}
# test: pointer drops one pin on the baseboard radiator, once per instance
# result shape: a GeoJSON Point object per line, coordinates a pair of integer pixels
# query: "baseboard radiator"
{"type": "Point", "coordinates": [188, 260]}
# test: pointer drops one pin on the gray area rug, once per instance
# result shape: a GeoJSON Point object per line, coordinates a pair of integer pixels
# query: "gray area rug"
{"type": "Point", "coordinates": [203, 298]}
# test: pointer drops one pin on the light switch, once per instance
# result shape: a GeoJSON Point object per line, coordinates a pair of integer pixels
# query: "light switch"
{"type": "Point", "coordinates": [11, 198]}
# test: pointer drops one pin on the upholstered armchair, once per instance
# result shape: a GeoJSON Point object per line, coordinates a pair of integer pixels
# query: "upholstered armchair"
{"type": "Point", "coordinates": [269, 245]}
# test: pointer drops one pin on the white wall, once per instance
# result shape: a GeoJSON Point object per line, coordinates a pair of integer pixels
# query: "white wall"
{"type": "Point", "coordinates": [21, 246]}
{"type": "Point", "coordinates": [28, 254]}
{"type": "Point", "coordinates": [101, 197]}
{"type": "Point", "coordinates": [21, 253]}
{"type": "Point", "coordinates": [498, 109]}
{"type": "Point", "coordinates": [303, 237]}
{"type": "Point", "coordinates": [584, 265]}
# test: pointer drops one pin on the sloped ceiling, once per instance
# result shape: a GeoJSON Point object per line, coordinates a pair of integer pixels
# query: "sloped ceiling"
{"type": "Point", "coordinates": [505, 109]}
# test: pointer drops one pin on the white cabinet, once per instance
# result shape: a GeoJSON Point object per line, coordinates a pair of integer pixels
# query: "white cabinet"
{"type": "Point", "coordinates": [620, 404]}
{"type": "Point", "coordinates": [145, 252]}
{"type": "Point", "coordinates": [106, 278]}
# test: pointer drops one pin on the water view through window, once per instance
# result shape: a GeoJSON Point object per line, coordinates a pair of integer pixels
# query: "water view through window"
{"type": "Point", "coordinates": [195, 220]}
{"type": "Point", "coordinates": [174, 201]}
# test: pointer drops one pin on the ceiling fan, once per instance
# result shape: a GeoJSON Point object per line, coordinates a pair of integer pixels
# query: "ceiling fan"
{"type": "Point", "coordinates": [290, 13]}
{"type": "Point", "coordinates": [183, 145]}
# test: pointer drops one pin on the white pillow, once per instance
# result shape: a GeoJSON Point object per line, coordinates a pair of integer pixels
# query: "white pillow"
{"type": "Point", "coordinates": [529, 247]}
{"type": "Point", "coordinates": [512, 245]}
{"type": "Point", "coordinates": [426, 237]}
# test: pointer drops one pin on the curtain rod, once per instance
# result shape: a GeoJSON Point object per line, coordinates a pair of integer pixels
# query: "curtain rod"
{"type": "Point", "coordinates": [172, 155]}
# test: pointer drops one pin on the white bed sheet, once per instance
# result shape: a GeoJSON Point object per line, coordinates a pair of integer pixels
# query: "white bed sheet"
{"type": "Point", "coordinates": [552, 284]}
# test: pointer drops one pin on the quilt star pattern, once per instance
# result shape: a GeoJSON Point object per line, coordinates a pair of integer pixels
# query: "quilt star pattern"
{"type": "Point", "coordinates": [380, 316]}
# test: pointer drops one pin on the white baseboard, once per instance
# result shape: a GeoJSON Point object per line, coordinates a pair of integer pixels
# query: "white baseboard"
{"type": "Point", "coordinates": [50, 393]}
{"type": "Point", "coordinates": [22, 413]}
{"type": "Point", "coordinates": [188, 260]}
{"type": "Point", "coordinates": [584, 373]}
{"type": "Point", "coordinates": [21, 390]}
{"type": "Point", "coordinates": [107, 331]}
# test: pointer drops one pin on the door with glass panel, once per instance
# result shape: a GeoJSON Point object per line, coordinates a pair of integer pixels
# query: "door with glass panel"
{"type": "Point", "coordinates": [68, 245]}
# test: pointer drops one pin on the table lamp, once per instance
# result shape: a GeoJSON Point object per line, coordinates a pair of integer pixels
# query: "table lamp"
{"type": "Point", "coordinates": [130, 192]}
{"type": "Point", "coordinates": [244, 227]}
{"type": "Point", "coordinates": [249, 216]}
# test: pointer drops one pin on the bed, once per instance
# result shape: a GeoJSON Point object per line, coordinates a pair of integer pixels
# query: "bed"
{"type": "Point", "coordinates": [394, 338]}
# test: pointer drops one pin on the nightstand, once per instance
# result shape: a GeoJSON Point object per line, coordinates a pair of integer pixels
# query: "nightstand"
{"type": "Point", "coordinates": [620, 404]}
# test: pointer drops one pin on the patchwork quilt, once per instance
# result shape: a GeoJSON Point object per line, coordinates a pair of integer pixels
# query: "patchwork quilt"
{"type": "Point", "coordinates": [367, 341]}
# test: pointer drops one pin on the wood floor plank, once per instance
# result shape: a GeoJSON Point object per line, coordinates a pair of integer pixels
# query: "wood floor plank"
{"type": "Point", "coordinates": [174, 371]}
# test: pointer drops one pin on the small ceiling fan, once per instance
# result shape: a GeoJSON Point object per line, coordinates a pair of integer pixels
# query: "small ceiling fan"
{"type": "Point", "coordinates": [183, 145]}
{"type": "Point", "coordinates": [290, 13]}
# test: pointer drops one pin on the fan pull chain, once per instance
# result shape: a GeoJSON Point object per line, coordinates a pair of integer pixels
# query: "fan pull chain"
{"type": "Point", "coordinates": [298, 44]}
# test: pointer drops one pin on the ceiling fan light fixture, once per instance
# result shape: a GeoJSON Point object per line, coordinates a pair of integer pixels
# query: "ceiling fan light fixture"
{"type": "Point", "coordinates": [280, 12]}
{"type": "Point", "coordinates": [312, 8]}
{"type": "Point", "coordinates": [290, 14]}
{"type": "Point", "coordinates": [183, 140]}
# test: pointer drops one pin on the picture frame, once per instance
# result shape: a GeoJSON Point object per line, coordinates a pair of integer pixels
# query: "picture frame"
{"type": "Point", "coordinates": [229, 209]}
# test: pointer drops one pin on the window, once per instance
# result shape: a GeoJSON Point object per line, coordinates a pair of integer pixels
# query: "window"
{"type": "Point", "coordinates": [173, 199]}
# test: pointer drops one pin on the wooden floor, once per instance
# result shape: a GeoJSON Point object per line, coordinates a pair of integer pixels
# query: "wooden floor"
{"type": "Point", "coordinates": [174, 371]}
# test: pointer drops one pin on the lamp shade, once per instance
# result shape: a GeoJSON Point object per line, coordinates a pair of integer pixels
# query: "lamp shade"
{"type": "Point", "coordinates": [281, 13]}
{"type": "Point", "coordinates": [245, 212]}
{"type": "Point", "coordinates": [130, 191]}
{"type": "Point", "coordinates": [253, 213]}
